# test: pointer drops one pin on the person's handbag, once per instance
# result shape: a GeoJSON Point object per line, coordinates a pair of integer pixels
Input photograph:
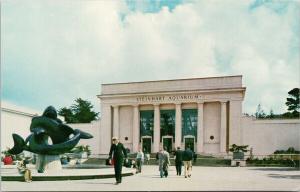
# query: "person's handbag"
{"type": "Point", "coordinates": [113, 161]}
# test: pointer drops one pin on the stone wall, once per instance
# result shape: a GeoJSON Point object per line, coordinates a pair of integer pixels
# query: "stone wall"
{"type": "Point", "coordinates": [264, 136]}
{"type": "Point", "coordinates": [92, 128]}
{"type": "Point", "coordinates": [18, 121]}
{"type": "Point", "coordinates": [267, 136]}
{"type": "Point", "coordinates": [13, 121]}
{"type": "Point", "coordinates": [212, 122]}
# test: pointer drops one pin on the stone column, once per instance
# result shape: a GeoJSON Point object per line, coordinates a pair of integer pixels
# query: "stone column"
{"type": "Point", "coordinates": [116, 121]}
{"type": "Point", "coordinates": [105, 128]}
{"type": "Point", "coordinates": [135, 130]}
{"type": "Point", "coordinates": [200, 129]}
{"type": "Point", "coordinates": [223, 127]}
{"type": "Point", "coordinates": [235, 112]}
{"type": "Point", "coordinates": [156, 128]}
{"type": "Point", "coordinates": [178, 126]}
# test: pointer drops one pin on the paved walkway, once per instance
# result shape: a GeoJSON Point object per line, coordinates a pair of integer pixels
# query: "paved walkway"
{"type": "Point", "coordinates": [203, 178]}
{"type": "Point", "coordinates": [13, 171]}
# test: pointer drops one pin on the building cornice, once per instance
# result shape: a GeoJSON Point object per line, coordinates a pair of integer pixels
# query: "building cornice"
{"type": "Point", "coordinates": [168, 80]}
{"type": "Point", "coordinates": [225, 90]}
{"type": "Point", "coordinates": [19, 112]}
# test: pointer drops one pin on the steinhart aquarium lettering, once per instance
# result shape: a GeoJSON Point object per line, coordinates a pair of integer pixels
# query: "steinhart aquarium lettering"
{"type": "Point", "coordinates": [168, 98]}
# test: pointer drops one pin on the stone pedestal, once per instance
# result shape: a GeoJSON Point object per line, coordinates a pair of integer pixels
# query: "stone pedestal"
{"type": "Point", "coordinates": [238, 163]}
{"type": "Point", "coordinates": [46, 163]}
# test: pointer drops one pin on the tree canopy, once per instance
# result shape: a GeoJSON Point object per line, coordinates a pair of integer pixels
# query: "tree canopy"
{"type": "Point", "coordinates": [292, 102]}
{"type": "Point", "coordinates": [260, 112]}
{"type": "Point", "coordinates": [80, 112]}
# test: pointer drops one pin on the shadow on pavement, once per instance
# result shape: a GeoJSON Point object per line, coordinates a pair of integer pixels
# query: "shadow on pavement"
{"type": "Point", "coordinates": [100, 183]}
{"type": "Point", "coordinates": [275, 169]}
{"type": "Point", "coordinates": [280, 176]}
{"type": "Point", "coordinates": [157, 176]}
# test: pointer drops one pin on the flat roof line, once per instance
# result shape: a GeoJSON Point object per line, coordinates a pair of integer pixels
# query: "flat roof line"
{"type": "Point", "coordinates": [173, 79]}
{"type": "Point", "coordinates": [19, 112]}
{"type": "Point", "coordinates": [168, 92]}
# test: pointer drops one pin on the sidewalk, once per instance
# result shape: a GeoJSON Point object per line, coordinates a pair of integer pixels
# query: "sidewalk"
{"type": "Point", "coordinates": [203, 178]}
{"type": "Point", "coordinates": [10, 173]}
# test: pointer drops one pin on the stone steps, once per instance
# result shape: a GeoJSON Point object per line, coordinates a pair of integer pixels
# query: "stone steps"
{"type": "Point", "coordinates": [65, 174]}
{"type": "Point", "coordinates": [199, 162]}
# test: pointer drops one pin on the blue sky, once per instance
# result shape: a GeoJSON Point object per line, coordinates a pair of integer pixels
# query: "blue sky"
{"type": "Point", "coordinates": [56, 51]}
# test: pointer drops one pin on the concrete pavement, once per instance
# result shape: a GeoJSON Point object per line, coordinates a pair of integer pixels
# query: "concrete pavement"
{"type": "Point", "coordinates": [10, 173]}
{"type": "Point", "coordinates": [203, 178]}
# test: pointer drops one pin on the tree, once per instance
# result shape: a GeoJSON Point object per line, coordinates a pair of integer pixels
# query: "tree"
{"type": "Point", "coordinates": [260, 114]}
{"type": "Point", "coordinates": [293, 101]}
{"type": "Point", "coordinates": [68, 114]}
{"type": "Point", "coordinates": [271, 115]}
{"type": "Point", "coordinates": [80, 112]}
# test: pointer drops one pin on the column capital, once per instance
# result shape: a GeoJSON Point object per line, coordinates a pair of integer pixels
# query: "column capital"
{"type": "Point", "coordinates": [115, 106]}
{"type": "Point", "coordinates": [135, 105]}
{"type": "Point", "coordinates": [200, 102]}
{"type": "Point", "coordinates": [156, 104]}
{"type": "Point", "coordinates": [177, 103]}
{"type": "Point", "coordinates": [223, 101]}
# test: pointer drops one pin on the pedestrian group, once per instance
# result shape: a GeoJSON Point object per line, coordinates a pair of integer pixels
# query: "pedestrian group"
{"type": "Point", "coordinates": [118, 153]}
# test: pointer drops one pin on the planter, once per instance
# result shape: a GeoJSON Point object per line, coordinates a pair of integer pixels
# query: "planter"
{"type": "Point", "coordinates": [238, 155]}
{"type": "Point", "coordinates": [84, 155]}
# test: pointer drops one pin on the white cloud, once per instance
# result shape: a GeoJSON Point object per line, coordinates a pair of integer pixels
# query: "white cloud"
{"type": "Point", "coordinates": [66, 50]}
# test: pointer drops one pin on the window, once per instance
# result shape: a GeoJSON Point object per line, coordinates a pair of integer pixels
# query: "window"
{"type": "Point", "coordinates": [167, 123]}
{"type": "Point", "coordinates": [189, 122]}
{"type": "Point", "coordinates": [146, 123]}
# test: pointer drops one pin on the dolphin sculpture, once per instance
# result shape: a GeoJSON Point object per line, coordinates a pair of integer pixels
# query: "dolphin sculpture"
{"type": "Point", "coordinates": [63, 137]}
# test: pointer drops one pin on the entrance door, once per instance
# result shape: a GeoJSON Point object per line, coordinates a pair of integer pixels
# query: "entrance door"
{"type": "Point", "coordinates": [167, 143]}
{"type": "Point", "coordinates": [189, 142]}
{"type": "Point", "coordinates": [147, 145]}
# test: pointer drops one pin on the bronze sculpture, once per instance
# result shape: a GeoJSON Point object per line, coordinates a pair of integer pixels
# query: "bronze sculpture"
{"type": "Point", "coordinates": [43, 127]}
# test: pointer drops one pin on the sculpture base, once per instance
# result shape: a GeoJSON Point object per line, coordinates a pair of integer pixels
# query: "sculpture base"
{"type": "Point", "coordinates": [238, 163]}
{"type": "Point", "coordinates": [46, 163]}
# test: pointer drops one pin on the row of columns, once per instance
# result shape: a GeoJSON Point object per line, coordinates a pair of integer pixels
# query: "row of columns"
{"type": "Point", "coordinates": [178, 127]}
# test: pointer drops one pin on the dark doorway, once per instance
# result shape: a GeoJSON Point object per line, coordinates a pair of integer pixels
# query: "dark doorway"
{"type": "Point", "coordinates": [167, 143]}
{"type": "Point", "coordinates": [189, 142]}
{"type": "Point", "coordinates": [147, 145]}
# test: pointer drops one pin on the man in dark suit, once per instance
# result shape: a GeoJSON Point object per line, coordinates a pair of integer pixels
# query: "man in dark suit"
{"type": "Point", "coordinates": [117, 154]}
{"type": "Point", "coordinates": [178, 160]}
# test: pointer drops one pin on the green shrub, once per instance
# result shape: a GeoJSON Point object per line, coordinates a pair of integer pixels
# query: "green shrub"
{"type": "Point", "coordinates": [81, 149]}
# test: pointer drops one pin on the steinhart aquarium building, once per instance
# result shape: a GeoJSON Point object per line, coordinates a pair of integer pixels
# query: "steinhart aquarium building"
{"type": "Point", "coordinates": [202, 113]}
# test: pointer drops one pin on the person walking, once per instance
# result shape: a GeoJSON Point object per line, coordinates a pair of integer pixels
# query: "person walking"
{"type": "Point", "coordinates": [187, 161]}
{"type": "Point", "coordinates": [117, 154]}
{"type": "Point", "coordinates": [163, 162]}
{"type": "Point", "coordinates": [178, 160]}
{"type": "Point", "coordinates": [139, 160]}
{"type": "Point", "coordinates": [147, 157]}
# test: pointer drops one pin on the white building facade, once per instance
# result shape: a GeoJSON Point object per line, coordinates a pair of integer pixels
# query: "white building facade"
{"type": "Point", "coordinates": [201, 113]}
{"type": "Point", "coordinates": [14, 120]}
{"type": "Point", "coordinates": [17, 119]}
